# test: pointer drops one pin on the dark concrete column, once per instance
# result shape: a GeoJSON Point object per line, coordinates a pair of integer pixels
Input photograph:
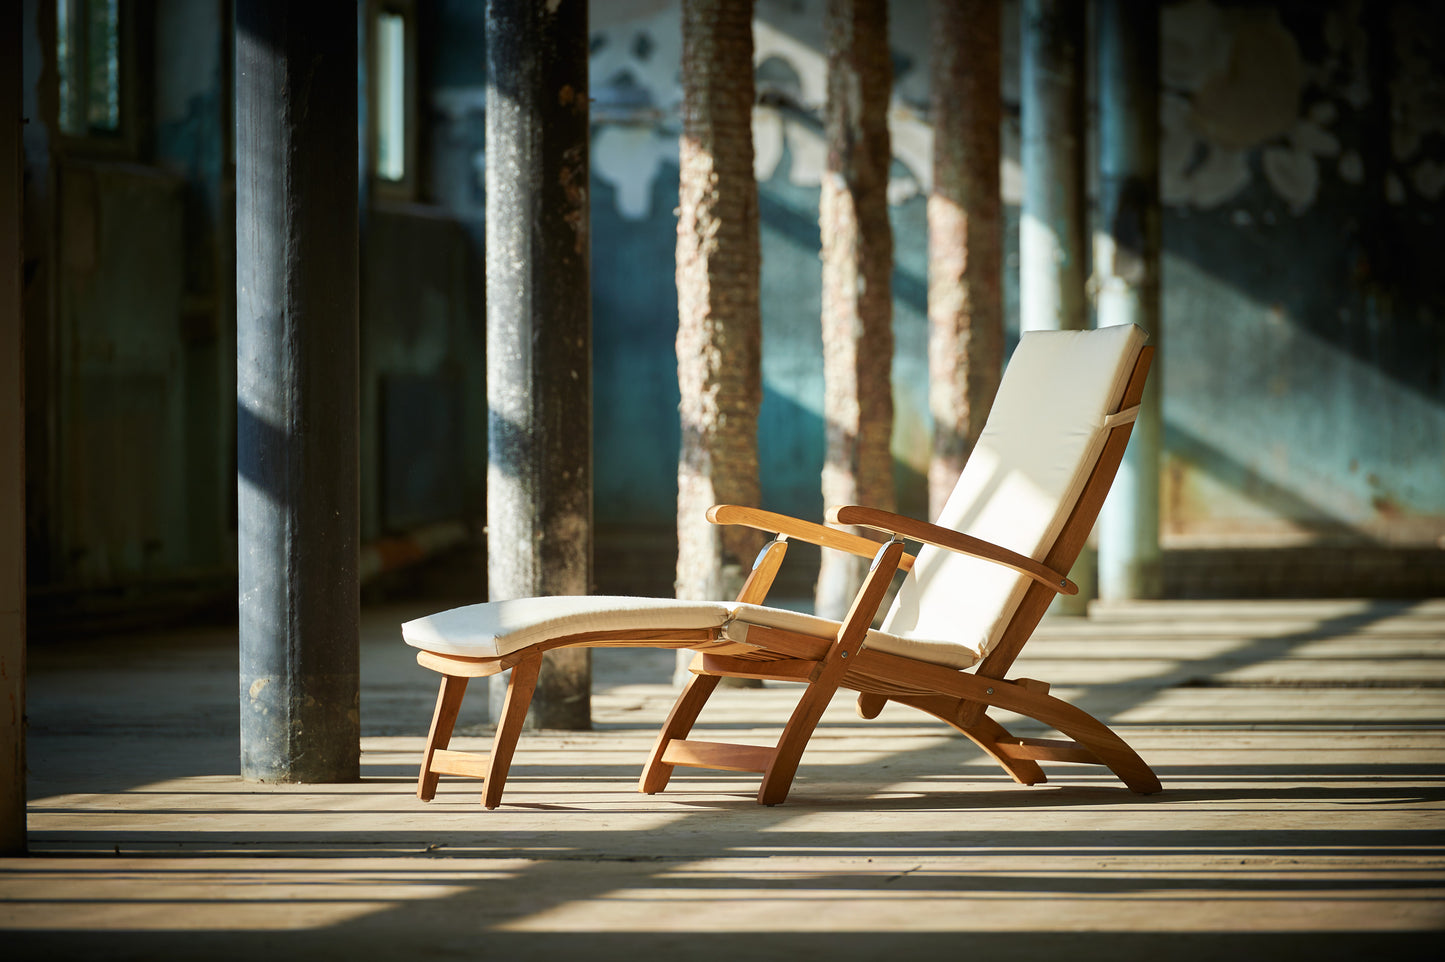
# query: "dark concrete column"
{"type": "Point", "coordinates": [1053, 251]}
{"type": "Point", "coordinates": [12, 452]}
{"type": "Point", "coordinates": [539, 326]}
{"type": "Point", "coordinates": [296, 389]}
{"type": "Point", "coordinates": [1126, 275]}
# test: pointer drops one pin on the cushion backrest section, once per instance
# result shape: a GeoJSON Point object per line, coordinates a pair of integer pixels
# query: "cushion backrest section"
{"type": "Point", "coordinates": [1043, 436]}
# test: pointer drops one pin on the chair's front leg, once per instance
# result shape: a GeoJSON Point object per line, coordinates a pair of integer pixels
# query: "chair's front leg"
{"type": "Point", "coordinates": [444, 719]}
{"type": "Point", "coordinates": [809, 710]}
{"type": "Point", "coordinates": [806, 714]}
{"type": "Point", "coordinates": [520, 686]}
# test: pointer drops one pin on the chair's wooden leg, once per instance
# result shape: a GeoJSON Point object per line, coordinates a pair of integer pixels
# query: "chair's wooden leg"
{"type": "Point", "coordinates": [689, 704]}
{"type": "Point", "coordinates": [870, 704]}
{"type": "Point", "coordinates": [1099, 739]}
{"type": "Point", "coordinates": [778, 779]}
{"type": "Point", "coordinates": [1097, 742]}
{"type": "Point", "coordinates": [985, 733]}
{"type": "Point", "coordinates": [520, 686]}
{"type": "Point", "coordinates": [443, 720]}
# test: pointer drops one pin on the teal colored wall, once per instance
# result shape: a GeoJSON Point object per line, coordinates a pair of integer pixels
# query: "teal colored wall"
{"type": "Point", "coordinates": [1303, 341]}
{"type": "Point", "coordinates": [1302, 172]}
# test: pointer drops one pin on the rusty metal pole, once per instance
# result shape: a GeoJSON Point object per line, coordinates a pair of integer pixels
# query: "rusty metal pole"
{"type": "Point", "coordinates": [1126, 277]}
{"type": "Point", "coordinates": [1053, 251]}
{"type": "Point", "coordinates": [965, 235]}
{"type": "Point", "coordinates": [296, 390]}
{"type": "Point", "coordinates": [539, 326]}
{"type": "Point", "coordinates": [12, 452]}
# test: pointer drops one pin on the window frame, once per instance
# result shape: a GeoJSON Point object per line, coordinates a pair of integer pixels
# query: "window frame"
{"type": "Point", "coordinates": [124, 141]}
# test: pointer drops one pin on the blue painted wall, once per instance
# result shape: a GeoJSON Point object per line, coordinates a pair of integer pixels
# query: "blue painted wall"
{"type": "Point", "coordinates": [1303, 180]}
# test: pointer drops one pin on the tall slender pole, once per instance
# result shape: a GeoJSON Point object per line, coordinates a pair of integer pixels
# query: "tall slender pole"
{"type": "Point", "coordinates": [719, 320]}
{"type": "Point", "coordinates": [1053, 252]}
{"type": "Point", "coordinates": [12, 452]}
{"type": "Point", "coordinates": [857, 281]}
{"type": "Point", "coordinates": [1053, 255]}
{"type": "Point", "coordinates": [965, 235]}
{"type": "Point", "coordinates": [1126, 273]}
{"type": "Point", "coordinates": [296, 389]}
{"type": "Point", "coordinates": [539, 326]}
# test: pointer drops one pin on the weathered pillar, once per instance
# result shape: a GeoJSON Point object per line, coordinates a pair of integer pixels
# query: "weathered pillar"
{"type": "Point", "coordinates": [857, 280]}
{"type": "Point", "coordinates": [965, 235]}
{"type": "Point", "coordinates": [296, 389]}
{"type": "Point", "coordinates": [1053, 253]}
{"type": "Point", "coordinates": [1126, 275]}
{"type": "Point", "coordinates": [539, 326]}
{"type": "Point", "coordinates": [719, 320]}
{"type": "Point", "coordinates": [12, 452]}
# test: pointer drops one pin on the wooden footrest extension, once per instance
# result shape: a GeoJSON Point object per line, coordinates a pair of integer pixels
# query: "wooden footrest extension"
{"type": "Point", "coordinates": [470, 764]}
{"type": "Point", "coordinates": [729, 758]}
{"type": "Point", "coordinates": [1046, 750]}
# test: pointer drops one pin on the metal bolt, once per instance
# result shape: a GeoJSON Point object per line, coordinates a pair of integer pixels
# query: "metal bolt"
{"type": "Point", "coordinates": [842, 654]}
{"type": "Point", "coordinates": [988, 691]}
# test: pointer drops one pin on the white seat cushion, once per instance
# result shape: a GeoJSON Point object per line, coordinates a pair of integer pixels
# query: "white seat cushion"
{"type": "Point", "coordinates": [497, 628]}
{"type": "Point", "coordinates": [494, 629]}
{"type": "Point", "coordinates": [1044, 434]}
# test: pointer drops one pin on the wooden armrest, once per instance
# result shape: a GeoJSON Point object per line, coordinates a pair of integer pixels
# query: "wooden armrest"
{"type": "Point", "coordinates": [916, 530]}
{"type": "Point", "coordinates": [808, 531]}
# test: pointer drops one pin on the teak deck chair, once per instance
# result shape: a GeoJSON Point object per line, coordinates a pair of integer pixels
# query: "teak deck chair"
{"type": "Point", "coordinates": [970, 598]}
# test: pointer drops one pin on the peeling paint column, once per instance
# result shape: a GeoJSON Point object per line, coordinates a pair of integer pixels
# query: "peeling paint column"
{"type": "Point", "coordinates": [12, 452]}
{"type": "Point", "coordinates": [296, 390]}
{"type": "Point", "coordinates": [539, 326]}
{"type": "Point", "coordinates": [1053, 249]}
{"type": "Point", "coordinates": [857, 281]}
{"type": "Point", "coordinates": [965, 235]}
{"type": "Point", "coordinates": [1126, 273]}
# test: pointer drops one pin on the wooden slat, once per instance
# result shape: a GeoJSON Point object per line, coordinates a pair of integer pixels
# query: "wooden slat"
{"type": "Point", "coordinates": [790, 644]}
{"type": "Point", "coordinates": [728, 758]}
{"type": "Point", "coordinates": [465, 667]}
{"type": "Point", "coordinates": [1046, 750]}
{"type": "Point", "coordinates": [781, 670]}
{"type": "Point", "coordinates": [470, 764]}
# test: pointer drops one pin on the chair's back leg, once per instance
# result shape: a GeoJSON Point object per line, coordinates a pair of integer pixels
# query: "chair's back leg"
{"type": "Point", "coordinates": [699, 688]}
{"type": "Point", "coordinates": [689, 705]}
{"type": "Point", "coordinates": [444, 719]}
{"type": "Point", "coordinates": [985, 733]}
{"type": "Point", "coordinates": [520, 686]}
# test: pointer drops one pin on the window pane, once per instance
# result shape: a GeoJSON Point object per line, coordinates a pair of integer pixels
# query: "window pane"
{"type": "Point", "coordinates": [87, 54]}
{"type": "Point", "coordinates": [68, 37]}
{"type": "Point", "coordinates": [390, 95]}
{"type": "Point", "coordinates": [103, 39]}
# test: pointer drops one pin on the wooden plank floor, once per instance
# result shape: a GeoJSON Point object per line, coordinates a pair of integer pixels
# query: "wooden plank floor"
{"type": "Point", "coordinates": [1301, 746]}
